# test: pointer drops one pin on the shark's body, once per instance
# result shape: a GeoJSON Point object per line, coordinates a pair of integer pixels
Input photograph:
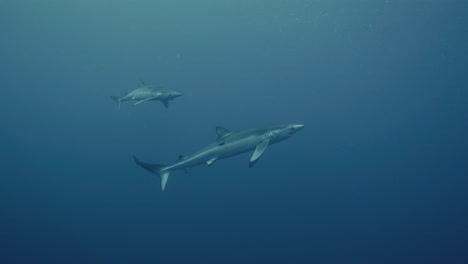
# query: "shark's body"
{"type": "Point", "coordinates": [227, 145]}
{"type": "Point", "coordinates": [147, 93]}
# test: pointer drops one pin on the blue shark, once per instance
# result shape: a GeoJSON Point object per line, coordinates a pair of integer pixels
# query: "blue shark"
{"type": "Point", "coordinates": [147, 93]}
{"type": "Point", "coordinates": [228, 144]}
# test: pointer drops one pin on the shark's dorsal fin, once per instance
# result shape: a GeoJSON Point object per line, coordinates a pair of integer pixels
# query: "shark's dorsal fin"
{"type": "Point", "coordinates": [165, 103]}
{"type": "Point", "coordinates": [142, 82]}
{"type": "Point", "coordinates": [222, 132]}
{"type": "Point", "coordinates": [181, 157]}
{"type": "Point", "coordinates": [258, 151]}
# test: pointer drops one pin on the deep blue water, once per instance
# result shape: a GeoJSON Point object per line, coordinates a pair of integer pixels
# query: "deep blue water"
{"type": "Point", "coordinates": [378, 175]}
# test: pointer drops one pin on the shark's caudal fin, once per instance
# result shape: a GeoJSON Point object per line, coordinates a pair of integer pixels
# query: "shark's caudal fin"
{"type": "Point", "coordinates": [116, 99]}
{"type": "Point", "coordinates": [157, 169]}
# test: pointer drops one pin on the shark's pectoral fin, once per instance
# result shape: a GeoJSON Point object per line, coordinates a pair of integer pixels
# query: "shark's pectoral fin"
{"type": "Point", "coordinates": [165, 103]}
{"type": "Point", "coordinates": [144, 100]}
{"type": "Point", "coordinates": [258, 152]}
{"type": "Point", "coordinates": [164, 176]}
{"type": "Point", "coordinates": [210, 161]}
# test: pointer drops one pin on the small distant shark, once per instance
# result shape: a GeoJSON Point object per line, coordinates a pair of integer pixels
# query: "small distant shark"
{"type": "Point", "coordinates": [146, 93]}
{"type": "Point", "coordinates": [228, 144]}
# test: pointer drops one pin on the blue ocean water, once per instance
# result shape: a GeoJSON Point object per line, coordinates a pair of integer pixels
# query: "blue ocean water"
{"type": "Point", "coordinates": [378, 174]}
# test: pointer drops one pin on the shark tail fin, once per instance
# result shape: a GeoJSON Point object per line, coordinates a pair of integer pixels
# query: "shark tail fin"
{"type": "Point", "coordinates": [157, 169]}
{"type": "Point", "coordinates": [117, 100]}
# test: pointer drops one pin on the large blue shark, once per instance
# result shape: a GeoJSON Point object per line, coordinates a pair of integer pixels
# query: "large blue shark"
{"type": "Point", "coordinates": [228, 144]}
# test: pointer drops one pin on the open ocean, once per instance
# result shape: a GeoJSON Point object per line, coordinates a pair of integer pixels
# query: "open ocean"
{"type": "Point", "coordinates": [379, 174]}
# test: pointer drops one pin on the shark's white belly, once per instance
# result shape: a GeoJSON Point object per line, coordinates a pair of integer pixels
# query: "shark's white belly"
{"type": "Point", "coordinates": [216, 152]}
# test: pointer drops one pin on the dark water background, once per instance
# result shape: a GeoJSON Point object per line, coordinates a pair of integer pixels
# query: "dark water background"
{"type": "Point", "coordinates": [378, 175]}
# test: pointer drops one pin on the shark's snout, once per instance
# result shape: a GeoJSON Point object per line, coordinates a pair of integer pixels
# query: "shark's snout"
{"type": "Point", "coordinates": [176, 94]}
{"type": "Point", "coordinates": [295, 128]}
{"type": "Point", "coordinates": [298, 127]}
